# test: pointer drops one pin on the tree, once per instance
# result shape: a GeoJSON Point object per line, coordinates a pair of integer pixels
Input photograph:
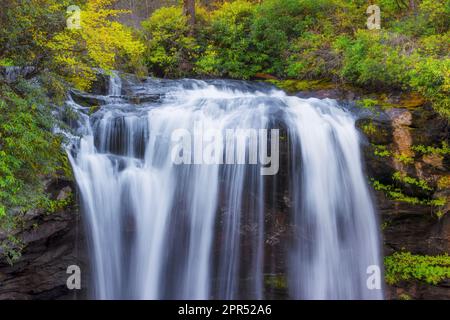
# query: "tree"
{"type": "Point", "coordinates": [26, 27]}
{"type": "Point", "coordinates": [99, 43]}
{"type": "Point", "coordinates": [189, 10]}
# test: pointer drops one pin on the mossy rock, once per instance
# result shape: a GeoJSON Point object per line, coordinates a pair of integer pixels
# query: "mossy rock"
{"type": "Point", "coordinates": [276, 281]}
{"type": "Point", "coordinates": [293, 86]}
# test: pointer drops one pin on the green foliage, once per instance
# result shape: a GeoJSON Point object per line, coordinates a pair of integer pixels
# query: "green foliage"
{"type": "Point", "coordinates": [403, 158]}
{"type": "Point", "coordinates": [398, 176]}
{"type": "Point", "coordinates": [34, 33]}
{"type": "Point", "coordinates": [287, 28]}
{"type": "Point", "coordinates": [369, 128]}
{"type": "Point", "coordinates": [276, 281]}
{"type": "Point", "coordinates": [27, 26]}
{"type": "Point", "coordinates": [396, 193]}
{"type": "Point", "coordinates": [431, 77]}
{"type": "Point", "coordinates": [368, 61]}
{"type": "Point", "coordinates": [404, 296]}
{"type": "Point", "coordinates": [6, 62]}
{"type": "Point", "coordinates": [12, 249]}
{"type": "Point", "coordinates": [100, 42]}
{"type": "Point", "coordinates": [381, 151]}
{"type": "Point", "coordinates": [367, 104]}
{"type": "Point", "coordinates": [442, 151]}
{"type": "Point", "coordinates": [311, 57]}
{"type": "Point", "coordinates": [444, 182]}
{"type": "Point", "coordinates": [404, 266]}
{"type": "Point", "coordinates": [55, 205]}
{"type": "Point", "coordinates": [309, 40]}
{"type": "Point", "coordinates": [170, 47]}
{"type": "Point", "coordinates": [231, 50]}
{"type": "Point", "coordinates": [28, 153]}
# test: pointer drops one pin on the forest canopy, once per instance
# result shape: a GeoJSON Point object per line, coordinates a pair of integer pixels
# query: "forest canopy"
{"type": "Point", "coordinates": [326, 40]}
{"type": "Point", "coordinates": [287, 39]}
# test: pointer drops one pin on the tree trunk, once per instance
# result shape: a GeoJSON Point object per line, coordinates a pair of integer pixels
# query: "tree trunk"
{"type": "Point", "coordinates": [412, 6]}
{"type": "Point", "coordinates": [189, 10]}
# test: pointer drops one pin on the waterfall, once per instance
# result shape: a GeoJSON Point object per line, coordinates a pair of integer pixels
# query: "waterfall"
{"type": "Point", "coordinates": [162, 230]}
{"type": "Point", "coordinates": [115, 85]}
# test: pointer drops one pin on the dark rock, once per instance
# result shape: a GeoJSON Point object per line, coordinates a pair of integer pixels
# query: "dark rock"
{"type": "Point", "coordinates": [100, 86]}
{"type": "Point", "coordinates": [14, 73]}
{"type": "Point", "coordinates": [88, 100]}
{"type": "Point", "coordinates": [415, 228]}
{"type": "Point", "coordinates": [52, 242]}
{"type": "Point", "coordinates": [143, 98]}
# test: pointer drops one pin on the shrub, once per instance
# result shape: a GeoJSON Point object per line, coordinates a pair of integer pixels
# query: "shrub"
{"type": "Point", "coordinates": [170, 47]}
{"type": "Point", "coordinates": [369, 60]}
{"type": "Point", "coordinates": [406, 266]}
{"type": "Point", "coordinates": [231, 51]}
{"type": "Point", "coordinates": [431, 78]}
{"type": "Point", "coordinates": [28, 153]}
{"type": "Point", "coordinates": [311, 58]}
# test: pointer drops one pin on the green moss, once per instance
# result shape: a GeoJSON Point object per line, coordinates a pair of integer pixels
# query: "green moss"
{"type": "Point", "coordinates": [367, 103]}
{"type": "Point", "coordinates": [442, 151]}
{"type": "Point", "coordinates": [444, 182]}
{"type": "Point", "coordinates": [93, 109]}
{"type": "Point", "coordinates": [404, 296]}
{"type": "Point", "coordinates": [6, 62]}
{"type": "Point", "coordinates": [396, 194]}
{"type": "Point", "coordinates": [369, 128]}
{"type": "Point", "coordinates": [398, 176]}
{"type": "Point", "coordinates": [381, 151]}
{"type": "Point", "coordinates": [403, 158]}
{"type": "Point", "coordinates": [12, 249]}
{"type": "Point", "coordinates": [440, 214]}
{"type": "Point", "coordinates": [52, 206]}
{"type": "Point", "coordinates": [276, 281]}
{"type": "Point", "coordinates": [293, 86]}
{"type": "Point", "coordinates": [29, 151]}
{"type": "Point", "coordinates": [404, 266]}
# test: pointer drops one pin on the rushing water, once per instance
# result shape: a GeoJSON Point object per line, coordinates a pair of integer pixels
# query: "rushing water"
{"type": "Point", "coordinates": [160, 230]}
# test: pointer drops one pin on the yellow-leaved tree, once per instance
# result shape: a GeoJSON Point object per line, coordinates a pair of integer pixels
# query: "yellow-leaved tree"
{"type": "Point", "coordinates": [99, 42]}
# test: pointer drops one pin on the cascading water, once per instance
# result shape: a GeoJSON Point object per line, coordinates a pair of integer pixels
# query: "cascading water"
{"type": "Point", "coordinates": [161, 230]}
{"type": "Point", "coordinates": [115, 85]}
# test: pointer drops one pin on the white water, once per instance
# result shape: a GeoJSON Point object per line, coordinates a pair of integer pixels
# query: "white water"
{"type": "Point", "coordinates": [159, 230]}
{"type": "Point", "coordinates": [115, 85]}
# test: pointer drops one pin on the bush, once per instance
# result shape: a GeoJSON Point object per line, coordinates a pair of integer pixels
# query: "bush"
{"type": "Point", "coordinates": [29, 152]}
{"type": "Point", "coordinates": [311, 58]}
{"type": "Point", "coordinates": [368, 60]}
{"type": "Point", "coordinates": [431, 77]}
{"type": "Point", "coordinates": [231, 51]}
{"type": "Point", "coordinates": [170, 47]}
{"type": "Point", "coordinates": [406, 266]}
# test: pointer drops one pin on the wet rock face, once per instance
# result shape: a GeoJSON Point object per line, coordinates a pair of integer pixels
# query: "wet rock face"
{"type": "Point", "coordinates": [52, 242]}
{"type": "Point", "coordinates": [419, 228]}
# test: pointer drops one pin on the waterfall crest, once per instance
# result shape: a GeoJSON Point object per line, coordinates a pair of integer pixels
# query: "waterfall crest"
{"type": "Point", "coordinates": [159, 230]}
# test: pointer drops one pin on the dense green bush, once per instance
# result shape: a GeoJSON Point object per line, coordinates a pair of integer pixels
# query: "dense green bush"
{"type": "Point", "coordinates": [230, 50]}
{"type": "Point", "coordinates": [275, 24]}
{"type": "Point", "coordinates": [431, 77]}
{"type": "Point", "coordinates": [406, 266]}
{"type": "Point", "coordinates": [367, 60]}
{"type": "Point", "coordinates": [170, 47]}
{"type": "Point", "coordinates": [29, 152]}
{"type": "Point", "coordinates": [309, 40]}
